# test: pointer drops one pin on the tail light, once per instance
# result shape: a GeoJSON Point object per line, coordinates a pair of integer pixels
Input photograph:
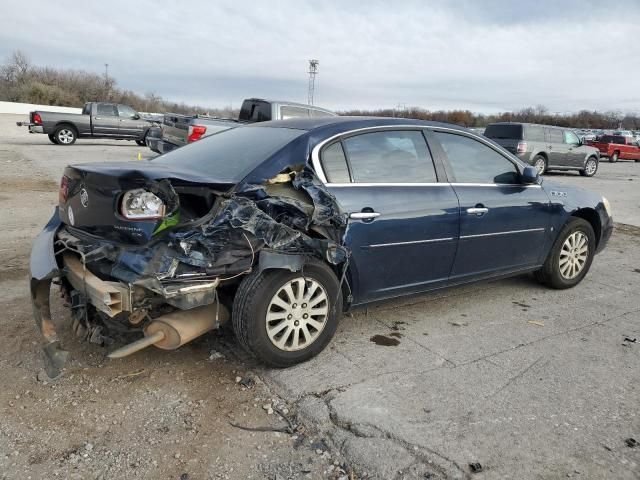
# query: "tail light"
{"type": "Point", "coordinates": [196, 132]}
{"type": "Point", "coordinates": [37, 118]}
{"type": "Point", "coordinates": [63, 193]}
{"type": "Point", "coordinates": [522, 147]}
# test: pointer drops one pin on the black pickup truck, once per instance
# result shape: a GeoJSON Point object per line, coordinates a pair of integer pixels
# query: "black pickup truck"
{"type": "Point", "coordinates": [178, 130]}
{"type": "Point", "coordinates": [97, 120]}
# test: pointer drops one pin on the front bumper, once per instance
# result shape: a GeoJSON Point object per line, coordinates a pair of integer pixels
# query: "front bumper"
{"type": "Point", "coordinates": [606, 222]}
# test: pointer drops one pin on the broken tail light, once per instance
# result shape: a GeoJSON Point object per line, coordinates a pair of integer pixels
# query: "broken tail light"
{"type": "Point", "coordinates": [522, 147]}
{"type": "Point", "coordinates": [196, 132]}
{"type": "Point", "coordinates": [63, 193]}
{"type": "Point", "coordinates": [141, 204]}
{"type": "Point", "coordinates": [37, 118]}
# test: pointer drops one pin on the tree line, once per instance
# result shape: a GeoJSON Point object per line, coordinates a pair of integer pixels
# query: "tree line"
{"type": "Point", "coordinates": [21, 81]}
{"type": "Point", "coordinates": [539, 114]}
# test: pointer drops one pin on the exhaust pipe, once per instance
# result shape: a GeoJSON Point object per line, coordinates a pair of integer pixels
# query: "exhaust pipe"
{"type": "Point", "coordinates": [177, 328]}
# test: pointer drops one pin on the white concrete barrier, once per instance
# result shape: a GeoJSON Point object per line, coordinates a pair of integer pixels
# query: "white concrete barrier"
{"type": "Point", "coordinates": [25, 108]}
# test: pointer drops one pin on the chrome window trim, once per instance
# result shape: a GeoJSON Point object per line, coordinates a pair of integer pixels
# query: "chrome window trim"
{"type": "Point", "coordinates": [317, 166]}
{"type": "Point", "coordinates": [414, 242]}
{"type": "Point", "coordinates": [526, 230]}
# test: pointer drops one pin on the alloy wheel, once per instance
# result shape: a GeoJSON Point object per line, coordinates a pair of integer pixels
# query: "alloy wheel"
{"type": "Point", "coordinates": [65, 136]}
{"type": "Point", "coordinates": [590, 167]}
{"type": "Point", "coordinates": [540, 165]}
{"type": "Point", "coordinates": [574, 254]}
{"type": "Point", "coordinates": [297, 314]}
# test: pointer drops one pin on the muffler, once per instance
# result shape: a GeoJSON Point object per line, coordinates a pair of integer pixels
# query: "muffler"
{"type": "Point", "coordinates": [177, 328]}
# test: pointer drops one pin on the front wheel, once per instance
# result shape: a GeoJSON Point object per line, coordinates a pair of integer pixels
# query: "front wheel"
{"type": "Point", "coordinates": [570, 257]}
{"type": "Point", "coordinates": [590, 167]}
{"type": "Point", "coordinates": [65, 135]}
{"type": "Point", "coordinates": [52, 138]}
{"type": "Point", "coordinates": [283, 317]}
{"type": "Point", "coordinates": [614, 158]}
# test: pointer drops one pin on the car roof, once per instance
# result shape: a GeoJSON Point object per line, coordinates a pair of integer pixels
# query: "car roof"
{"type": "Point", "coordinates": [344, 123]}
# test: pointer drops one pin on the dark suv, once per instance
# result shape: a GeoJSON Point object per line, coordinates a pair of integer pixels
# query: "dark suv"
{"type": "Point", "coordinates": [545, 147]}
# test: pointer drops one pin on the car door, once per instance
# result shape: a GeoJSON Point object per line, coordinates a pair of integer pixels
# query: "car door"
{"type": "Point", "coordinates": [503, 224]}
{"type": "Point", "coordinates": [105, 120]}
{"type": "Point", "coordinates": [130, 123]}
{"type": "Point", "coordinates": [557, 148]}
{"type": "Point", "coordinates": [575, 151]}
{"type": "Point", "coordinates": [403, 222]}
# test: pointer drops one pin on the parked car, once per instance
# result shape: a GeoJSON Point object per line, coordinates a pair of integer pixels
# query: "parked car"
{"type": "Point", "coordinates": [545, 147]}
{"type": "Point", "coordinates": [618, 147]}
{"type": "Point", "coordinates": [288, 223]}
{"type": "Point", "coordinates": [97, 120]}
{"type": "Point", "coordinates": [178, 130]}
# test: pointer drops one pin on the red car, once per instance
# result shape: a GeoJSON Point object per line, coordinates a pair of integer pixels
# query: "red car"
{"type": "Point", "coordinates": [617, 147]}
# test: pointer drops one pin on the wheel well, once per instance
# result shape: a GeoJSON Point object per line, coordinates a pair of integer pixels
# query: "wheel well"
{"type": "Point", "coordinates": [68, 125]}
{"type": "Point", "coordinates": [590, 215]}
{"type": "Point", "coordinates": [543, 155]}
{"type": "Point", "coordinates": [616, 152]}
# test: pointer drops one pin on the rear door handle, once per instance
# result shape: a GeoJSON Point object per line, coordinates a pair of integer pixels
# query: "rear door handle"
{"type": "Point", "coordinates": [364, 215]}
{"type": "Point", "coordinates": [478, 211]}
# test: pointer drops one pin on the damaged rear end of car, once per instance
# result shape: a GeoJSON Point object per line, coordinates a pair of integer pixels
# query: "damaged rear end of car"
{"type": "Point", "coordinates": [153, 254]}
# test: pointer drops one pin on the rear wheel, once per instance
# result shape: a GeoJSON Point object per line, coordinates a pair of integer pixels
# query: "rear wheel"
{"type": "Point", "coordinates": [284, 317]}
{"type": "Point", "coordinates": [614, 158]}
{"type": "Point", "coordinates": [540, 163]}
{"type": "Point", "coordinates": [590, 167]}
{"type": "Point", "coordinates": [65, 135]}
{"type": "Point", "coordinates": [570, 257]}
{"type": "Point", "coordinates": [52, 138]}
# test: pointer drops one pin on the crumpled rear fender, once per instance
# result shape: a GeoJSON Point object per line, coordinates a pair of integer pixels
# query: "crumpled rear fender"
{"type": "Point", "coordinates": [44, 269]}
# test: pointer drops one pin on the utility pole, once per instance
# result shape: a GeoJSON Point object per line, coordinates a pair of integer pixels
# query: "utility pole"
{"type": "Point", "coordinates": [313, 71]}
{"type": "Point", "coordinates": [106, 78]}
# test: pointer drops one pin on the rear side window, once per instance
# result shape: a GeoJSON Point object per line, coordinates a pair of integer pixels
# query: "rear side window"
{"type": "Point", "coordinates": [107, 110]}
{"type": "Point", "coordinates": [334, 164]}
{"type": "Point", "coordinates": [320, 113]}
{"type": "Point", "coordinates": [292, 112]}
{"type": "Point", "coordinates": [87, 109]}
{"type": "Point", "coordinates": [475, 162]}
{"type": "Point", "coordinates": [504, 130]}
{"type": "Point", "coordinates": [395, 156]}
{"type": "Point", "coordinates": [534, 133]}
{"type": "Point", "coordinates": [555, 135]}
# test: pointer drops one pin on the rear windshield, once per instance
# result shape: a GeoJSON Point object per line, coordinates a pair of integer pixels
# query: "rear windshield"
{"type": "Point", "coordinates": [230, 155]}
{"type": "Point", "coordinates": [620, 140]}
{"type": "Point", "coordinates": [504, 131]}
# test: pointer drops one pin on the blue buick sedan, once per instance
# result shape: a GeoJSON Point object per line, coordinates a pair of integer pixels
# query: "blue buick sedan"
{"type": "Point", "coordinates": [279, 227]}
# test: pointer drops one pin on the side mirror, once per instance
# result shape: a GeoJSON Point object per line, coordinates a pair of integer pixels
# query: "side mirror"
{"type": "Point", "coordinates": [136, 116]}
{"type": "Point", "coordinates": [530, 175]}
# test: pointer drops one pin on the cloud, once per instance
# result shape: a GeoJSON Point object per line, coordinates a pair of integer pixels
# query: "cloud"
{"type": "Point", "coordinates": [486, 56]}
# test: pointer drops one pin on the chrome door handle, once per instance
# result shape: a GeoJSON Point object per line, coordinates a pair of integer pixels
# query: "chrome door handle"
{"type": "Point", "coordinates": [477, 211]}
{"type": "Point", "coordinates": [364, 215]}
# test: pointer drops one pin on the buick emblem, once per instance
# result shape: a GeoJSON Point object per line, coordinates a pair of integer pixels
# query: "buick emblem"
{"type": "Point", "coordinates": [84, 198]}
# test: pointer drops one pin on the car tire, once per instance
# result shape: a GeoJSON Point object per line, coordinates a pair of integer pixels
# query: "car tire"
{"type": "Point", "coordinates": [540, 163]}
{"type": "Point", "coordinates": [566, 264]}
{"type": "Point", "coordinates": [590, 167]}
{"type": "Point", "coordinates": [264, 299]}
{"type": "Point", "coordinates": [142, 143]}
{"type": "Point", "coordinates": [65, 135]}
{"type": "Point", "coordinates": [52, 138]}
{"type": "Point", "coordinates": [613, 158]}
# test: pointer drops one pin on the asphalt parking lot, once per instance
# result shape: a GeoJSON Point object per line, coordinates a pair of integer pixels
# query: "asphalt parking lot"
{"type": "Point", "coordinates": [525, 381]}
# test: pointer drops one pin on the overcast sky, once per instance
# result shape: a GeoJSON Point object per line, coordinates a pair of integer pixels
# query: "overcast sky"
{"type": "Point", "coordinates": [486, 56]}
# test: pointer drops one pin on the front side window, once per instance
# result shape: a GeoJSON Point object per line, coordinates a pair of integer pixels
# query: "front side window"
{"type": "Point", "coordinates": [107, 110]}
{"type": "Point", "coordinates": [570, 138]}
{"type": "Point", "coordinates": [394, 156]}
{"type": "Point", "coordinates": [475, 162]}
{"type": "Point", "coordinates": [126, 111]}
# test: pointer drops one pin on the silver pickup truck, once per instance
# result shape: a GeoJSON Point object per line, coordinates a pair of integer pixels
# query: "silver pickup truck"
{"type": "Point", "coordinates": [97, 120]}
{"type": "Point", "coordinates": [178, 130]}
